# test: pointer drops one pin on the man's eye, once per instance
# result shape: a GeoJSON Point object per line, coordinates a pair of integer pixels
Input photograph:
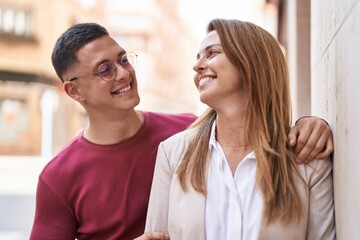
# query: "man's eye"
{"type": "Point", "coordinates": [103, 70]}
{"type": "Point", "coordinates": [123, 61]}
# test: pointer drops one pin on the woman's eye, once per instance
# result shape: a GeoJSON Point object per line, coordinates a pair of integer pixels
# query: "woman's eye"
{"type": "Point", "coordinates": [213, 52]}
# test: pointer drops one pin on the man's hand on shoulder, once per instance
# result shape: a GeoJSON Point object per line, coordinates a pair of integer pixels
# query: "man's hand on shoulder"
{"type": "Point", "coordinates": [312, 138]}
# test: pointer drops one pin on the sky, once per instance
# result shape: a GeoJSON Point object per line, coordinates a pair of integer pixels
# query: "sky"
{"type": "Point", "coordinates": [197, 13]}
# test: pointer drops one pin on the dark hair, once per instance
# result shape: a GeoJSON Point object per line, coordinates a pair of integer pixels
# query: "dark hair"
{"type": "Point", "coordinates": [68, 44]}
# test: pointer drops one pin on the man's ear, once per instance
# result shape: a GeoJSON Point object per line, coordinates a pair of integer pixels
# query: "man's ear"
{"type": "Point", "coordinates": [73, 91]}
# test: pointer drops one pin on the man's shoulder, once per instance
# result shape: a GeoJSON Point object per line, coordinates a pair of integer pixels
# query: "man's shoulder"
{"type": "Point", "coordinates": [63, 158]}
{"type": "Point", "coordinates": [178, 121]}
{"type": "Point", "coordinates": [176, 117]}
{"type": "Point", "coordinates": [164, 125]}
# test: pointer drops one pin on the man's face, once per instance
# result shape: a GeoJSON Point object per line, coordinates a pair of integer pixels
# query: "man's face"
{"type": "Point", "coordinates": [98, 95]}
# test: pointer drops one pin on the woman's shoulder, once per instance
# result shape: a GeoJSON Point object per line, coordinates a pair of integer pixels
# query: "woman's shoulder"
{"type": "Point", "coordinates": [175, 146]}
{"type": "Point", "coordinates": [315, 170]}
{"type": "Point", "coordinates": [181, 137]}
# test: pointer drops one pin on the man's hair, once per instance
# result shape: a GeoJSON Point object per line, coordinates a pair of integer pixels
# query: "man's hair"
{"type": "Point", "coordinates": [66, 47]}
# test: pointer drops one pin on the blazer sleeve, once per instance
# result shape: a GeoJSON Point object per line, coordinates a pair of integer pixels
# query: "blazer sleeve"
{"type": "Point", "coordinates": [321, 222]}
{"type": "Point", "coordinates": [157, 215]}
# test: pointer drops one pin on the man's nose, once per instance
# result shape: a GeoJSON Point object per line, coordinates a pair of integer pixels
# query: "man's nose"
{"type": "Point", "coordinates": [121, 72]}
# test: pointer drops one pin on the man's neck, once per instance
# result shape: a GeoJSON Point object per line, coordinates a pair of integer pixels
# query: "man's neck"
{"type": "Point", "coordinates": [110, 131]}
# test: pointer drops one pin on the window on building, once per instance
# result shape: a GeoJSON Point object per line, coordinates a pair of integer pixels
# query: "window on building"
{"type": "Point", "coordinates": [15, 22]}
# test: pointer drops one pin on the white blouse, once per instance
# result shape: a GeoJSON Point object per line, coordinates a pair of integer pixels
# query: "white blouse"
{"type": "Point", "coordinates": [233, 204]}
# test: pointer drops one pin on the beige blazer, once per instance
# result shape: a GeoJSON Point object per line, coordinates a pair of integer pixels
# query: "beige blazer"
{"type": "Point", "coordinates": [182, 215]}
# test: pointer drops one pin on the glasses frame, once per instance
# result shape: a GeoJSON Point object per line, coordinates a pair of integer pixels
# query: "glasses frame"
{"type": "Point", "coordinates": [121, 62]}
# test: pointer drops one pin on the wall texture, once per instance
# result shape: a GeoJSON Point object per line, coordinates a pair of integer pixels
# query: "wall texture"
{"type": "Point", "coordinates": [335, 95]}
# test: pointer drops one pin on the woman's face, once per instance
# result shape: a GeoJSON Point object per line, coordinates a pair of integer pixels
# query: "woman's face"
{"type": "Point", "coordinates": [218, 81]}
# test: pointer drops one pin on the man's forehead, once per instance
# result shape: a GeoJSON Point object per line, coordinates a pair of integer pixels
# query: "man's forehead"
{"type": "Point", "coordinates": [103, 48]}
{"type": "Point", "coordinates": [99, 44]}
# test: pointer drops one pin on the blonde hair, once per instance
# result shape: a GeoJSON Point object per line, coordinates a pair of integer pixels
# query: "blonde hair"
{"type": "Point", "coordinates": [258, 56]}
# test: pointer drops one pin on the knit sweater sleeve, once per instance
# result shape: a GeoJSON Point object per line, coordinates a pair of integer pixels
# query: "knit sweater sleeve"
{"type": "Point", "coordinates": [52, 219]}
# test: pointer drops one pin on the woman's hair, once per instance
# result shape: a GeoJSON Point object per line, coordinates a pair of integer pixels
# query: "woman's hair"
{"type": "Point", "coordinates": [260, 60]}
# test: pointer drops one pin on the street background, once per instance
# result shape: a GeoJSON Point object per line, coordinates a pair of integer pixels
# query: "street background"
{"type": "Point", "coordinates": [37, 118]}
{"type": "Point", "coordinates": [320, 40]}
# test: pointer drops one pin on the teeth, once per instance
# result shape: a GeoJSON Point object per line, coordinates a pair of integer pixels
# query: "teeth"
{"type": "Point", "coordinates": [123, 90]}
{"type": "Point", "coordinates": [204, 80]}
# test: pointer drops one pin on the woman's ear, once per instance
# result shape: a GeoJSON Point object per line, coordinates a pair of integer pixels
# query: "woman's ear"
{"type": "Point", "coordinates": [72, 91]}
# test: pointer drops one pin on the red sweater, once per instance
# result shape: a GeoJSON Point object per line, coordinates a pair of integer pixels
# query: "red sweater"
{"type": "Point", "coordinates": [91, 191]}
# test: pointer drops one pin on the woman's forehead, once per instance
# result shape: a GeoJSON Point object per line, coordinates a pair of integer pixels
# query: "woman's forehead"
{"type": "Point", "coordinates": [212, 38]}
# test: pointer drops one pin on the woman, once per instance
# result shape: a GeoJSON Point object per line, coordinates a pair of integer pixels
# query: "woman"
{"type": "Point", "coordinates": [233, 174]}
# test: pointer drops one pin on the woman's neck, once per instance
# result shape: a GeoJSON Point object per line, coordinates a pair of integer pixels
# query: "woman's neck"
{"type": "Point", "coordinates": [232, 133]}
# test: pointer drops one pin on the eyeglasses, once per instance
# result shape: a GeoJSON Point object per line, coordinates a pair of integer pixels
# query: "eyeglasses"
{"type": "Point", "coordinates": [107, 71]}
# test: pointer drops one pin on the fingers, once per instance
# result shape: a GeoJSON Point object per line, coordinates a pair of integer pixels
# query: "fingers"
{"type": "Point", "coordinates": [314, 145]}
{"type": "Point", "coordinates": [304, 133]}
{"type": "Point", "coordinates": [329, 148]}
{"type": "Point", "coordinates": [153, 236]}
{"type": "Point", "coordinates": [293, 135]}
{"type": "Point", "coordinates": [314, 138]}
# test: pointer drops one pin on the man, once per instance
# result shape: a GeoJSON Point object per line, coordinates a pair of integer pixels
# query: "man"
{"type": "Point", "coordinates": [98, 185]}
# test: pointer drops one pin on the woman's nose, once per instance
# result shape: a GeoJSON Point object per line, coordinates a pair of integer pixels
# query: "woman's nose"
{"type": "Point", "coordinates": [199, 65]}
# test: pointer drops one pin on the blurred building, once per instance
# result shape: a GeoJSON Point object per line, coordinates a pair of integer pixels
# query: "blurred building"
{"type": "Point", "coordinates": [36, 117]}
{"type": "Point", "coordinates": [28, 31]}
{"type": "Point", "coordinates": [155, 30]}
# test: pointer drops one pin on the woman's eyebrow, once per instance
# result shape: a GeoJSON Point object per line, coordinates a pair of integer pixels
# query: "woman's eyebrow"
{"type": "Point", "coordinates": [212, 45]}
{"type": "Point", "coordinates": [207, 48]}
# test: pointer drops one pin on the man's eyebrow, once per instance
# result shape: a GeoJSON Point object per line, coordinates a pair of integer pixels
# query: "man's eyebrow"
{"type": "Point", "coordinates": [207, 48]}
{"type": "Point", "coordinates": [120, 54]}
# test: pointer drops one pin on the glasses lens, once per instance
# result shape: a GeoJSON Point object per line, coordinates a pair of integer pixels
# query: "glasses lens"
{"type": "Point", "coordinates": [128, 61]}
{"type": "Point", "coordinates": [107, 71]}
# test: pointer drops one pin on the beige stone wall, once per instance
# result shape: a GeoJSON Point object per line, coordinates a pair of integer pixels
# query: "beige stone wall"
{"type": "Point", "coordinates": [298, 53]}
{"type": "Point", "coordinates": [335, 95]}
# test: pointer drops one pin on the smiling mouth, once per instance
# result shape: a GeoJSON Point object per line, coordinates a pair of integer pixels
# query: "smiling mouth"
{"type": "Point", "coordinates": [205, 80]}
{"type": "Point", "coordinates": [122, 90]}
